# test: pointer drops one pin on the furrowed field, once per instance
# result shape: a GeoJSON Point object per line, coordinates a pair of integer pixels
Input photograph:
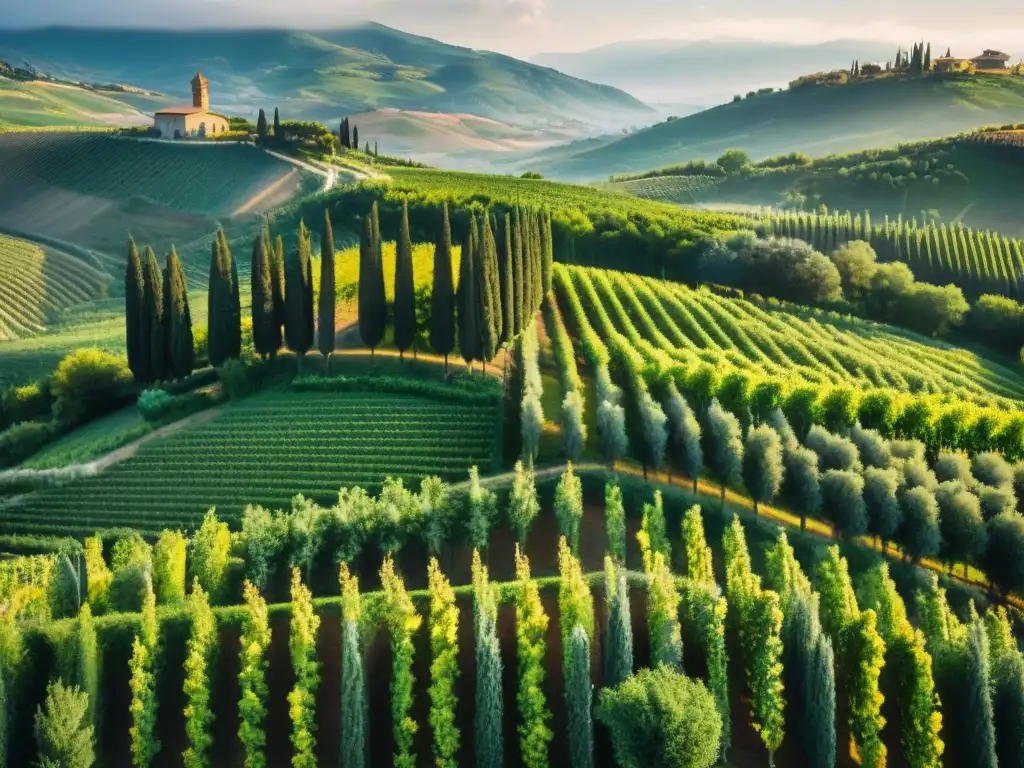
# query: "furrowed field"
{"type": "Point", "coordinates": [265, 451]}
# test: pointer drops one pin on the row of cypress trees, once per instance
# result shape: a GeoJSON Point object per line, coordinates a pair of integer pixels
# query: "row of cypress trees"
{"type": "Point", "coordinates": [504, 272]}
{"type": "Point", "coordinates": [158, 322]}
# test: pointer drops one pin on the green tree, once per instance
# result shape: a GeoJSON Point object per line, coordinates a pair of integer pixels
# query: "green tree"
{"type": "Point", "coordinates": [153, 334]}
{"type": "Point", "coordinates": [864, 651]}
{"type": "Point", "coordinates": [569, 506]}
{"type": "Point", "coordinates": [699, 567]}
{"type": "Point", "coordinates": [547, 251]}
{"type": "Point", "coordinates": [169, 567]}
{"type": "Point", "coordinates": [224, 332]}
{"type": "Point", "coordinates": [820, 704]}
{"type": "Point", "coordinates": [64, 736]}
{"type": "Point", "coordinates": [144, 742]}
{"type": "Point", "coordinates": [661, 718]}
{"type": "Point", "coordinates": [618, 644]}
{"type": "Point", "coordinates": [403, 622]}
{"type": "Point", "coordinates": [615, 521]}
{"type": "Point", "coordinates": [663, 614]}
{"type": "Point", "coordinates": [354, 705]}
{"type": "Point", "coordinates": [919, 532]}
{"type": "Point", "coordinates": [842, 495]}
{"type": "Point", "coordinates": [254, 643]}
{"type": "Point", "coordinates": [263, 328]}
{"type": "Point", "coordinates": [684, 435]}
{"type": "Point", "coordinates": [762, 464]}
{"type": "Point", "coordinates": [531, 627]}
{"type": "Point", "coordinates": [483, 509]}
{"type": "Point", "coordinates": [733, 160]}
{"type": "Point", "coordinates": [508, 283]}
{"type": "Point", "coordinates": [87, 667]}
{"type": "Point", "coordinates": [405, 292]}
{"type": "Point", "coordinates": [442, 297]}
{"type": "Point", "coordinates": [134, 300]}
{"type": "Point", "coordinates": [761, 635]}
{"type": "Point", "coordinates": [523, 504]}
{"type": "Point", "coordinates": [444, 667]}
{"type": "Point", "coordinates": [1004, 559]}
{"type": "Point", "coordinates": [487, 714]}
{"type": "Point", "coordinates": [652, 535]}
{"type": "Point", "coordinates": [261, 125]}
{"type": "Point", "coordinates": [302, 698]}
{"type": "Point", "coordinates": [277, 283]}
{"type": "Point", "coordinates": [724, 454]}
{"type": "Point", "coordinates": [467, 299]}
{"type": "Point", "coordinates": [328, 298]}
{"type": "Point", "coordinates": [980, 736]}
{"type": "Point", "coordinates": [881, 502]}
{"type": "Point", "coordinates": [211, 550]}
{"type": "Point", "coordinates": [298, 327]}
{"type": "Point", "coordinates": [519, 273]}
{"type": "Point", "coordinates": [372, 301]}
{"type": "Point", "coordinates": [578, 700]}
{"type": "Point", "coordinates": [199, 661]}
{"type": "Point", "coordinates": [180, 345]}
{"type": "Point", "coordinates": [1008, 707]}
{"type": "Point", "coordinates": [487, 299]}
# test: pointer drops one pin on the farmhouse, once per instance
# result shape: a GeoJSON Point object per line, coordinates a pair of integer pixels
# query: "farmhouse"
{"type": "Point", "coordinates": [191, 120]}
{"type": "Point", "coordinates": [949, 64]}
{"type": "Point", "coordinates": [990, 59]}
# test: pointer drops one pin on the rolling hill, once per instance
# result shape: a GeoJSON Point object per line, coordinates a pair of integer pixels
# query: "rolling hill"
{"type": "Point", "coordinates": [324, 75]}
{"type": "Point", "coordinates": [813, 119]}
{"type": "Point", "coordinates": [38, 103]}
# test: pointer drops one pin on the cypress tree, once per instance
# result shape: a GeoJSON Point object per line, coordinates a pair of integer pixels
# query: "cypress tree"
{"type": "Point", "coordinates": [263, 334]}
{"type": "Point", "coordinates": [579, 700]}
{"type": "Point", "coordinates": [528, 267]}
{"type": "Point", "coordinates": [820, 704]}
{"type": "Point", "coordinates": [325, 319]}
{"type": "Point", "coordinates": [261, 124]}
{"type": "Point", "coordinates": [277, 125]}
{"type": "Point", "coordinates": [618, 644]}
{"type": "Point", "coordinates": [372, 306]}
{"type": "Point", "coordinates": [355, 137]}
{"type": "Point", "coordinates": [488, 712]}
{"type": "Point", "coordinates": [442, 298]}
{"type": "Point", "coordinates": [469, 334]}
{"type": "Point", "coordinates": [547, 251]}
{"type": "Point", "coordinates": [494, 264]}
{"type": "Point", "coordinates": [508, 284]}
{"type": "Point", "coordinates": [518, 274]}
{"type": "Point", "coordinates": [234, 302]}
{"type": "Point", "coordinates": [354, 708]}
{"type": "Point", "coordinates": [298, 328]}
{"type": "Point", "coordinates": [375, 221]}
{"type": "Point", "coordinates": [928, 58]}
{"type": "Point", "coordinates": [277, 286]}
{"type": "Point", "coordinates": [153, 333]}
{"type": "Point", "coordinates": [489, 309]}
{"type": "Point", "coordinates": [980, 736]}
{"type": "Point", "coordinates": [181, 355]}
{"type": "Point", "coordinates": [538, 281]}
{"type": "Point", "coordinates": [405, 291]}
{"type": "Point", "coordinates": [134, 291]}
{"type": "Point", "coordinates": [1008, 707]}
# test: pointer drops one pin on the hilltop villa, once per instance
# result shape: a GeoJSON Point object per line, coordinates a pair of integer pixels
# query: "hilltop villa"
{"type": "Point", "coordinates": [191, 120]}
{"type": "Point", "coordinates": [989, 60]}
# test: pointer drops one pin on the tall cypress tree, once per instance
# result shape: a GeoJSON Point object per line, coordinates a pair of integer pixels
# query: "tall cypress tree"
{"type": "Point", "coordinates": [235, 303]}
{"type": "Point", "coordinates": [355, 137]}
{"type": "Point", "coordinates": [538, 267]}
{"type": "Point", "coordinates": [298, 329]}
{"type": "Point", "coordinates": [618, 644]}
{"type": "Point", "coordinates": [325, 318]}
{"type": "Point", "coordinates": [469, 334]}
{"type": "Point", "coordinates": [928, 58]}
{"type": "Point", "coordinates": [508, 284]}
{"type": "Point", "coordinates": [277, 126]}
{"type": "Point", "coordinates": [442, 298]}
{"type": "Point", "coordinates": [153, 333]}
{"type": "Point", "coordinates": [487, 300]}
{"type": "Point", "coordinates": [980, 736]}
{"type": "Point", "coordinates": [261, 125]}
{"type": "Point", "coordinates": [262, 298]}
{"type": "Point", "coordinates": [277, 284]}
{"type": "Point", "coordinates": [518, 272]}
{"type": "Point", "coordinates": [375, 222]}
{"type": "Point", "coordinates": [527, 269]}
{"type": "Point", "coordinates": [134, 291]}
{"type": "Point", "coordinates": [372, 302]}
{"type": "Point", "coordinates": [180, 348]}
{"type": "Point", "coordinates": [354, 707]}
{"type": "Point", "coordinates": [405, 291]}
{"type": "Point", "coordinates": [548, 252]}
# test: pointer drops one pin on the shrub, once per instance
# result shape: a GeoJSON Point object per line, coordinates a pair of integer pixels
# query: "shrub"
{"type": "Point", "coordinates": [64, 735]}
{"type": "Point", "coordinates": [153, 404]}
{"type": "Point", "coordinates": [88, 383]}
{"type": "Point", "coordinates": [128, 588]}
{"type": "Point", "coordinates": [523, 505]}
{"type": "Point", "coordinates": [20, 441]}
{"type": "Point", "coordinates": [661, 718]}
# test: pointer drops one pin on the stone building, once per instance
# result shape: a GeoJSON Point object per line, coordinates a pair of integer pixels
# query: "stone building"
{"type": "Point", "coordinates": [193, 120]}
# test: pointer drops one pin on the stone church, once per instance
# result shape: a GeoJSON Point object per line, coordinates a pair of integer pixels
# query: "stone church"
{"type": "Point", "coordinates": [193, 120]}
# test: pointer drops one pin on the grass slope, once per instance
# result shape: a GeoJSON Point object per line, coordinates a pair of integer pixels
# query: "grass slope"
{"type": "Point", "coordinates": [37, 283]}
{"type": "Point", "coordinates": [813, 119]}
{"type": "Point", "coordinates": [265, 450]}
{"type": "Point", "coordinates": [321, 74]}
{"type": "Point", "coordinates": [37, 104]}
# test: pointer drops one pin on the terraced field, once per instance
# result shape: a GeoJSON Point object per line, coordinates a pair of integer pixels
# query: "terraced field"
{"type": "Point", "coordinates": [669, 324]}
{"type": "Point", "coordinates": [37, 283]}
{"type": "Point", "coordinates": [264, 451]}
{"type": "Point", "coordinates": [667, 189]}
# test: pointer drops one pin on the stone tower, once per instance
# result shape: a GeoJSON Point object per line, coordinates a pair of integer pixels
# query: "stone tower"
{"type": "Point", "coordinates": [201, 92]}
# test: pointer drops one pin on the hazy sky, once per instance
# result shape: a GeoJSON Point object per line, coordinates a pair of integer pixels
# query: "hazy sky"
{"type": "Point", "coordinates": [524, 27]}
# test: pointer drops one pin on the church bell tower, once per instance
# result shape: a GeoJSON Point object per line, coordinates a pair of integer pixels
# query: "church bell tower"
{"type": "Point", "coordinates": [201, 92]}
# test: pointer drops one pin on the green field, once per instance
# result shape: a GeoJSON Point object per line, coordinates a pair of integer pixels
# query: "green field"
{"type": "Point", "coordinates": [38, 104]}
{"type": "Point", "coordinates": [265, 450]}
{"type": "Point", "coordinates": [668, 189]}
{"type": "Point", "coordinates": [671, 327]}
{"type": "Point", "coordinates": [37, 283]}
{"type": "Point", "coordinates": [816, 120]}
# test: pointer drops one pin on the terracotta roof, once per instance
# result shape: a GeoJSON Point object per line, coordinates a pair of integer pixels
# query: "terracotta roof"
{"type": "Point", "coordinates": [184, 109]}
{"type": "Point", "coordinates": [199, 79]}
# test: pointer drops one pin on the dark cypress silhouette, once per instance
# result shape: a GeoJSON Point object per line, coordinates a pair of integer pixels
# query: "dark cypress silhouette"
{"type": "Point", "coordinates": [375, 225]}
{"type": "Point", "coordinates": [261, 125]}
{"type": "Point", "coordinates": [508, 283]}
{"type": "Point", "coordinates": [469, 333]}
{"type": "Point", "coordinates": [928, 58]}
{"type": "Point", "coordinates": [298, 329]}
{"type": "Point", "coordinates": [263, 335]}
{"type": "Point", "coordinates": [494, 275]}
{"type": "Point", "coordinates": [181, 357]}
{"type": "Point", "coordinates": [538, 265]}
{"type": "Point", "coordinates": [235, 326]}
{"type": "Point", "coordinates": [405, 290]}
{"type": "Point", "coordinates": [372, 302]}
{"type": "Point", "coordinates": [153, 333]}
{"type": "Point", "coordinates": [326, 308]}
{"type": "Point", "coordinates": [355, 137]}
{"type": "Point", "coordinates": [488, 310]}
{"type": "Point", "coordinates": [277, 126]}
{"type": "Point", "coordinates": [277, 286]}
{"type": "Point", "coordinates": [518, 272]}
{"type": "Point", "coordinates": [224, 334]}
{"type": "Point", "coordinates": [442, 298]}
{"type": "Point", "coordinates": [134, 291]}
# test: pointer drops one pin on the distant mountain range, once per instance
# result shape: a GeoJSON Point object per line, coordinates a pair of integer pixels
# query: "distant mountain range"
{"type": "Point", "coordinates": [703, 73]}
{"type": "Point", "coordinates": [814, 119]}
{"type": "Point", "coordinates": [324, 75]}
